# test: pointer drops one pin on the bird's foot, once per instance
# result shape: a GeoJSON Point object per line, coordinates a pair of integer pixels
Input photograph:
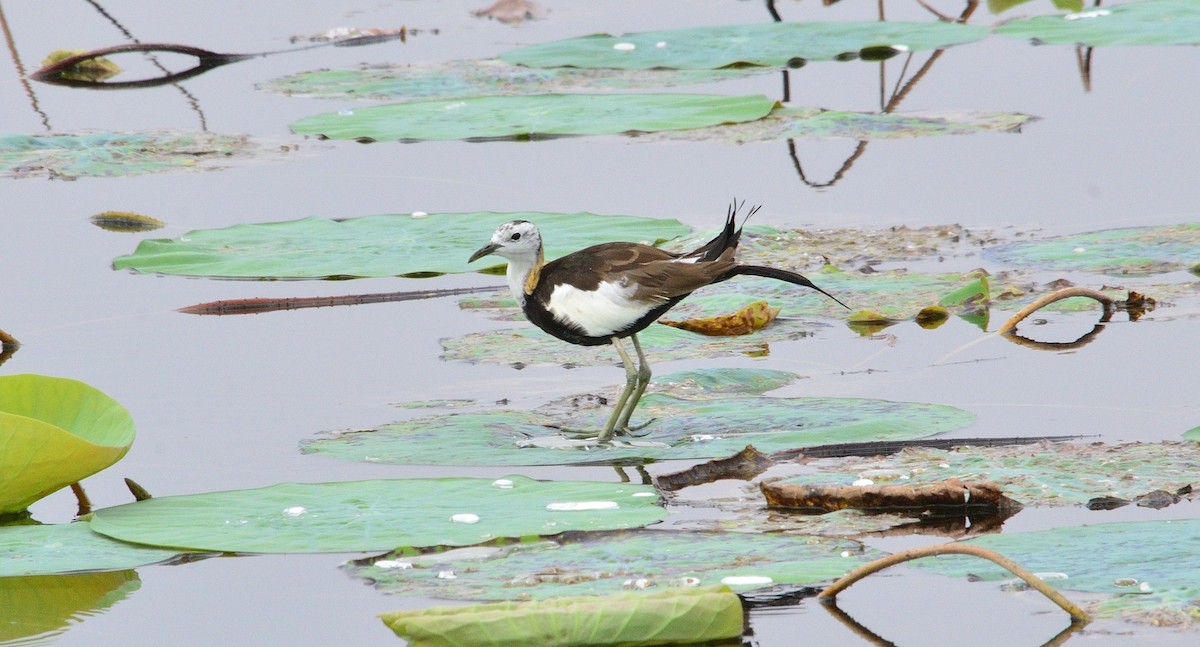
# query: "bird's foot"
{"type": "Point", "coordinates": [629, 430]}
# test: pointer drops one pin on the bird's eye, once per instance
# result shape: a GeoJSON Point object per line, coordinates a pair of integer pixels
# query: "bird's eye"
{"type": "Point", "coordinates": [516, 236]}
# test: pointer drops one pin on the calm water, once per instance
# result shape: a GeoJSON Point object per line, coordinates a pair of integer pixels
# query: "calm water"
{"type": "Point", "coordinates": [221, 403]}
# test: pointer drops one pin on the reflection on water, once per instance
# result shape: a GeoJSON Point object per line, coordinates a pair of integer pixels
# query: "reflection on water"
{"type": "Point", "coordinates": [38, 607]}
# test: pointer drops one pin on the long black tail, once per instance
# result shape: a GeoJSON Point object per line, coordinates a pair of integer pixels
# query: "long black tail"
{"type": "Point", "coordinates": [727, 238]}
{"type": "Point", "coordinates": [781, 275]}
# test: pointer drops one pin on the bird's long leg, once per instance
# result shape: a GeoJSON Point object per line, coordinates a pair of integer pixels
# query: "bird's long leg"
{"type": "Point", "coordinates": [643, 380]}
{"type": "Point", "coordinates": [631, 378]}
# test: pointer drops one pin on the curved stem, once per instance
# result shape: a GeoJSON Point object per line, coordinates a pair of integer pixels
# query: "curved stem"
{"type": "Point", "coordinates": [1059, 295]}
{"type": "Point", "coordinates": [1029, 578]}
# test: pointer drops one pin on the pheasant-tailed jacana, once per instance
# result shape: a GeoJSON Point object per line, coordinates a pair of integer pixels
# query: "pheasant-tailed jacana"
{"type": "Point", "coordinates": [606, 292]}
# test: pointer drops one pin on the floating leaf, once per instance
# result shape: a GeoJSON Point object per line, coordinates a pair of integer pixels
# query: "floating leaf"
{"type": "Point", "coordinates": [39, 607]}
{"type": "Point", "coordinates": [1151, 568]}
{"type": "Point", "coordinates": [1153, 22]}
{"type": "Point", "coordinates": [598, 563]}
{"type": "Point", "coordinates": [1045, 474]}
{"type": "Point", "coordinates": [53, 432]}
{"type": "Point", "coordinates": [1133, 251]}
{"type": "Point", "coordinates": [754, 316]}
{"type": "Point", "coordinates": [493, 117]}
{"type": "Point", "coordinates": [816, 123]}
{"type": "Point", "coordinates": [672, 616]}
{"type": "Point", "coordinates": [116, 154]}
{"type": "Point", "coordinates": [454, 79]}
{"type": "Point", "coordinates": [91, 70]}
{"type": "Point", "coordinates": [695, 427]}
{"type": "Point", "coordinates": [372, 246]}
{"type": "Point", "coordinates": [762, 44]}
{"type": "Point", "coordinates": [125, 221]}
{"type": "Point", "coordinates": [68, 548]}
{"type": "Point", "coordinates": [375, 515]}
{"type": "Point", "coordinates": [1192, 434]}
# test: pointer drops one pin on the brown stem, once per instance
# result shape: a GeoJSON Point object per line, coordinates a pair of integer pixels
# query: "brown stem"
{"type": "Point", "coordinates": [1034, 582]}
{"type": "Point", "coordinates": [1059, 295]}
{"type": "Point", "coordinates": [81, 498]}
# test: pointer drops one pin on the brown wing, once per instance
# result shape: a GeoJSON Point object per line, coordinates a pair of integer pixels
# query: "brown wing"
{"type": "Point", "coordinates": [586, 268]}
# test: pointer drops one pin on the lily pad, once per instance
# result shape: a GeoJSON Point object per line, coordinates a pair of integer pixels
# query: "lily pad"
{"type": "Point", "coordinates": [495, 117]}
{"type": "Point", "coordinates": [816, 123]}
{"type": "Point", "coordinates": [694, 427]}
{"type": "Point", "coordinates": [39, 607]}
{"type": "Point", "coordinates": [69, 548]}
{"type": "Point", "coordinates": [1150, 568]}
{"type": "Point", "coordinates": [599, 563]}
{"type": "Point", "coordinates": [372, 246]}
{"type": "Point", "coordinates": [1153, 22]}
{"type": "Point", "coordinates": [1133, 251]}
{"type": "Point", "coordinates": [672, 616]}
{"type": "Point", "coordinates": [55, 431]}
{"type": "Point", "coordinates": [102, 154]}
{"type": "Point", "coordinates": [377, 515]}
{"type": "Point", "coordinates": [1047, 474]}
{"type": "Point", "coordinates": [759, 44]}
{"type": "Point", "coordinates": [454, 79]}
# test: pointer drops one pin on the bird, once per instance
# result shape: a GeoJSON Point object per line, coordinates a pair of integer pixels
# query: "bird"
{"type": "Point", "coordinates": [605, 293]}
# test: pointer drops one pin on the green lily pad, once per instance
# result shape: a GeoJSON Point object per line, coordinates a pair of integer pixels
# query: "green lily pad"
{"type": "Point", "coordinates": [816, 123]}
{"type": "Point", "coordinates": [1192, 434]}
{"type": "Point", "coordinates": [68, 548]}
{"type": "Point", "coordinates": [694, 427]}
{"type": "Point", "coordinates": [1133, 251]}
{"type": "Point", "coordinates": [453, 79]}
{"type": "Point", "coordinates": [116, 154]}
{"type": "Point", "coordinates": [759, 44]}
{"type": "Point", "coordinates": [55, 431]}
{"type": "Point", "coordinates": [493, 117]}
{"type": "Point", "coordinates": [39, 607]}
{"type": "Point", "coordinates": [1152, 569]}
{"type": "Point", "coordinates": [372, 246]}
{"type": "Point", "coordinates": [599, 563]}
{"type": "Point", "coordinates": [673, 616]}
{"type": "Point", "coordinates": [1153, 22]}
{"type": "Point", "coordinates": [377, 515]}
{"type": "Point", "coordinates": [1047, 474]}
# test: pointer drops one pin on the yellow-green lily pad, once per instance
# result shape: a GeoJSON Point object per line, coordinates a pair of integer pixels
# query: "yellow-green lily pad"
{"type": "Point", "coordinates": [668, 616]}
{"type": "Point", "coordinates": [55, 431]}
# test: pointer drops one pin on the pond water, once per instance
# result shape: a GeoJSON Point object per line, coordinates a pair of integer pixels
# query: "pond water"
{"type": "Point", "coordinates": [222, 402]}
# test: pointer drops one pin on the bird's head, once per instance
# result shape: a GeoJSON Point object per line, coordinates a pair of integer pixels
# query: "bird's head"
{"type": "Point", "coordinates": [517, 240]}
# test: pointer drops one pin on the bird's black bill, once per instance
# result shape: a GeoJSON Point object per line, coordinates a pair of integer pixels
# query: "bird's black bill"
{"type": "Point", "coordinates": [484, 251]}
{"type": "Point", "coordinates": [782, 275]}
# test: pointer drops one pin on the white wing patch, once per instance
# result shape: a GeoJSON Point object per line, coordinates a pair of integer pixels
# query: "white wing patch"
{"type": "Point", "coordinates": [601, 312]}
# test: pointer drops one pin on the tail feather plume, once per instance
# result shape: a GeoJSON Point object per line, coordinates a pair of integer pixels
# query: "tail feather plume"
{"type": "Point", "coordinates": [780, 275]}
